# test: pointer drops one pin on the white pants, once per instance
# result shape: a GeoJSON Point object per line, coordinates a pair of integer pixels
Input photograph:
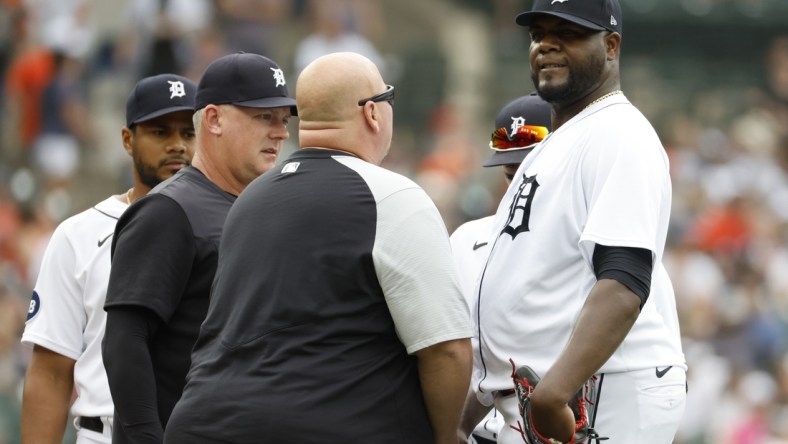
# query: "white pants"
{"type": "Point", "coordinates": [629, 407]}
{"type": "Point", "coordinates": [85, 436]}
{"type": "Point", "coordinates": [489, 427]}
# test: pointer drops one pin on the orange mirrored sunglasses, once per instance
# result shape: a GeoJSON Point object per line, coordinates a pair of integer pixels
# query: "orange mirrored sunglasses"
{"type": "Point", "coordinates": [525, 137]}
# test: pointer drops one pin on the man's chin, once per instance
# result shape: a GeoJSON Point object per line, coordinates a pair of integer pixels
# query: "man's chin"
{"type": "Point", "coordinates": [552, 93]}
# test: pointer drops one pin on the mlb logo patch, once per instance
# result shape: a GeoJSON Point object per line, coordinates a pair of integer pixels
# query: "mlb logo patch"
{"type": "Point", "coordinates": [35, 306]}
{"type": "Point", "coordinates": [290, 167]}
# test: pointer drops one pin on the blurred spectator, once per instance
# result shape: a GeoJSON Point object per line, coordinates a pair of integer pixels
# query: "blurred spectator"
{"type": "Point", "coordinates": [748, 408]}
{"type": "Point", "coordinates": [208, 46]}
{"type": "Point", "coordinates": [6, 45]}
{"type": "Point", "coordinates": [340, 25]}
{"type": "Point", "coordinates": [722, 229]}
{"type": "Point", "coordinates": [10, 222]}
{"type": "Point", "coordinates": [40, 30]}
{"type": "Point", "coordinates": [12, 316]}
{"type": "Point", "coordinates": [65, 25]}
{"type": "Point", "coordinates": [163, 31]}
{"type": "Point", "coordinates": [509, 38]}
{"type": "Point", "coordinates": [707, 378]}
{"type": "Point", "coordinates": [777, 68]}
{"type": "Point", "coordinates": [65, 125]}
{"type": "Point", "coordinates": [252, 25]}
{"type": "Point", "coordinates": [450, 159]}
{"type": "Point", "coordinates": [30, 71]}
{"type": "Point", "coordinates": [698, 283]}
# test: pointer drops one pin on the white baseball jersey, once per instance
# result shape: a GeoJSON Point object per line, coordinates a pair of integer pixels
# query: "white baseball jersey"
{"type": "Point", "coordinates": [601, 178]}
{"type": "Point", "coordinates": [470, 244]}
{"type": "Point", "coordinates": [66, 312]}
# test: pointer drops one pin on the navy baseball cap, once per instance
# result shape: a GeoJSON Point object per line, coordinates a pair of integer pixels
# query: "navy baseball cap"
{"type": "Point", "coordinates": [159, 95]}
{"type": "Point", "coordinates": [598, 15]}
{"type": "Point", "coordinates": [519, 126]}
{"type": "Point", "coordinates": [244, 79]}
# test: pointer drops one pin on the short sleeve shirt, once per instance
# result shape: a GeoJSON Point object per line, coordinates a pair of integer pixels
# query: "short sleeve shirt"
{"type": "Point", "coordinates": [601, 178]}
{"type": "Point", "coordinates": [332, 273]}
{"type": "Point", "coordinates": [164, 257]}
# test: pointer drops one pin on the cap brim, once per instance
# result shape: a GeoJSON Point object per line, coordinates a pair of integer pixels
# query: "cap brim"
{"type": "Point", "coordinates": [161, 112]}
{"type": "Point", "coordinates": [525, 19]}
{"type": "Point", "coordinates": [270, 102]}
{"type": "Point", "coordinates": [509, 157]}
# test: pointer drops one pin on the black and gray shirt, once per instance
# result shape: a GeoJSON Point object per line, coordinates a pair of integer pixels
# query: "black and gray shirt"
{"type": "Point", "coordinates": [332, 273]}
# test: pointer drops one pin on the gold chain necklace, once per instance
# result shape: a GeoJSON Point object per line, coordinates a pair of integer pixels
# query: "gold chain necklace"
{"type": "Point", "coordinates": [613, 93]}
{"type": "Point", "coordinates": [128, 195]}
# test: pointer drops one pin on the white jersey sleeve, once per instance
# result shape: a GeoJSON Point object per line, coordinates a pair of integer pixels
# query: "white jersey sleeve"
{"type": "Point", "coordinates": [470, 245]}
{"type": "Point", "coordinates": [627, 186]}
{"type": "Point", "coordinates": [66, 312]}
{"type": "Point", "coordinates": [57, 322]}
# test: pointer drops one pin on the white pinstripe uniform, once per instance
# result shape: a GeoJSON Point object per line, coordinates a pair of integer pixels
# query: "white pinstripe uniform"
{"type": "Point", "coordinates": [571, 193]}
{"type": "Point", "coordinates": [470, 244]}
{"type": "Point", "coordinates": [66, 313]}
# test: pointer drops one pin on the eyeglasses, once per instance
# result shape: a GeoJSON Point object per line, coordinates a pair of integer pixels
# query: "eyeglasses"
{"type": "Point", "coordinates": [525, 137]}
{"type": "Point", "coordinates": [385, 96]}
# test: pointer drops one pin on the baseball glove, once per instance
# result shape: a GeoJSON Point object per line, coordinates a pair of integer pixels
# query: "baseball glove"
{"type": "Point", "coordinates": [525, 380]}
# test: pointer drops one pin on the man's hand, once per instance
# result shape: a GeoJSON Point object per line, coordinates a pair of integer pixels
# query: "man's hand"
{"type": "Point", "coordinates": [547, 420]}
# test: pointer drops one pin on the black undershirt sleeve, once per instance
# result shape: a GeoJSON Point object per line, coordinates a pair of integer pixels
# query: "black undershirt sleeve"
{"type": "Point", "coordinates": [126, 354]}
{"type": "Point", "coordinates": [630, 266]}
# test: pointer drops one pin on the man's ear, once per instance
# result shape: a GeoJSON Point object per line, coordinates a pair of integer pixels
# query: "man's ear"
{"type": "Point", "coordinates": [613, 45]}
{"type": "Point", "coordinates": [212, 119]}
{"type": "Point", "coordinates": [372, 116]}
{"type": "Point", "coordinates": [127, 137]}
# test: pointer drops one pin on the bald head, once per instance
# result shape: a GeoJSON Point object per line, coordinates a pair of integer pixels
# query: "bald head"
{"type": "Point", "coordinates": [327, 94]}
{"type": "Point", "coordinates": [329, 88]}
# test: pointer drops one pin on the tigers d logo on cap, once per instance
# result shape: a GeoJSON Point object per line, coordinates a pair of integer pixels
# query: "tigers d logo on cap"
{"type": "Point", "coordinates": [519, 126]}
{"type": "Point", "coordinates": [158, 95]}
{"type": "Point", "coordinates": [244, 79]}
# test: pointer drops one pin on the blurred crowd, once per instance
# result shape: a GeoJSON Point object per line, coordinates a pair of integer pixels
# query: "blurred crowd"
{"type": "Point", "coordinates": [728, 259]}
{"type": "Point", "coordinates": [66, 67]}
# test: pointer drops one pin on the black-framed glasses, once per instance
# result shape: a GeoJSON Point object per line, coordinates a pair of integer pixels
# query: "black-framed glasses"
{"type": "Point", "coordinates": [385, 96]}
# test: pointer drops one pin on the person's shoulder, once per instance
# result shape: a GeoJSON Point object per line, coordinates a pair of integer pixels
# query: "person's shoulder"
{"type": "Point", "coordinates": [623, 114]}
{"type": "Point", "coordinates": [395, 178]}
{"type": "Point", "coordinates": [621, 123]}
{"type": "Point", "coordinates": [381, 181]}
{"type": "Point", "coordinates": [190, 187]}
{"type": "Point", "coordinates": [88, 225]}
{"type": "Point", "coordinates": [105, 212]}
{"type": "Point", "coordinates": [389, 176]}
{"type": "Point", "coordinates": [180, 182]}
{"type": "Point", "coordinates": [474, 227]}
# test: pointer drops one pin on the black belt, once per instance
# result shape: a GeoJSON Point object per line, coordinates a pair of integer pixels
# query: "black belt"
{"type": "Point", "coordinates": [481, 440]}
{"type": "Point", "coordinates": [504, 393]}
{"type": "Point", "coordinates": [92, 423]}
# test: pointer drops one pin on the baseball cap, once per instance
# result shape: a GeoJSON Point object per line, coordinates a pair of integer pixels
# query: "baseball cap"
{"type": "Point", "coordinates": [599, 15]}
{"type": "Point", "coordinates": [158, 95]}
{"type": "Point", "coordinates": [528, 114]}
{"type": "Point", "coordinates": [244, 79]}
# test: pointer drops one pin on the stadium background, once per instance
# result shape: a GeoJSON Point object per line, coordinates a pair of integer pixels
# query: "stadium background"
{"type": "Point", "coordinates": [711, 75]}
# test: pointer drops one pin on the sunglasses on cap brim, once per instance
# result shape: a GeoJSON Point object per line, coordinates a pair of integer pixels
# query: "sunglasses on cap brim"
{"type": "Point", "coordinates": [524, 137]}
